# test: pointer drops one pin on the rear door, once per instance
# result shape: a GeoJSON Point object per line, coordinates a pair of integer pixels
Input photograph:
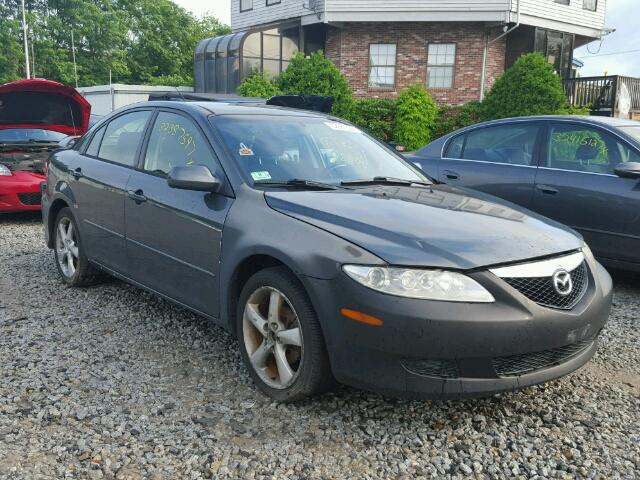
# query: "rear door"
{"type": "Point", "coordinates": [174, 235]}
{"type": "Point", "coordinates": [576, 185]}
{"type": "Point", "coordinates": [101, 174]}
{"type": "Point", "coordinates": [497, 159]}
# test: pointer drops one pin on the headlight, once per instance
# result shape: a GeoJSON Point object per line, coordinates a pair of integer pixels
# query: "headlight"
{"type": "Point", "coordinates": [424, 284]}
{"type": "Point", "coordinates": [4, 171]}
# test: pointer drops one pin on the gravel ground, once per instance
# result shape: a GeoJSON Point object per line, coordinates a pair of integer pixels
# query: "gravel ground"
{"type": "Point", "coordinates": [112, 382]}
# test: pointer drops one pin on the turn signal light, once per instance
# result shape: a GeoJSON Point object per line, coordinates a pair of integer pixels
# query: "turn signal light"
{"type": "Point", "coordinates": [361, 317]}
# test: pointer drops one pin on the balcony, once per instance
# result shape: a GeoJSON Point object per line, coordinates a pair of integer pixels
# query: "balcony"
{"type": "Point", "coordinates": [608, 96]}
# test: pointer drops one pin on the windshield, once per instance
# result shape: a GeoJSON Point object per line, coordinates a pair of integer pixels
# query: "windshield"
{"type": "Point", "coordinates": [17, 135]}
{"type": "Point", "coordinates": [281, 148]}
{"type": "Point", "coordinates": [633, 132]}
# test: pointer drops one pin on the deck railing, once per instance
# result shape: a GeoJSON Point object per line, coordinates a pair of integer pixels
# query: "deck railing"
{"type": "Point", "coordinates": [602, 94]}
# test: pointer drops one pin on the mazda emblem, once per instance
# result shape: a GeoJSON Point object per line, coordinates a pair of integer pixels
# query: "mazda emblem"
{"type": "Point", "coordinates": [562, 282]}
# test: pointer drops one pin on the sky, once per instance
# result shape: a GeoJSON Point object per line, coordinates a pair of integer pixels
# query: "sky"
{"type": "Point", "coordinates": [621, 15]}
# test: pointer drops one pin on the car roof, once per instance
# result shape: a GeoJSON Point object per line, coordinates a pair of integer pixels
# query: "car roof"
{"type": "Point", "coordinates": [232, 108]}
{"type": "Point", "coordinates": [607, 121]}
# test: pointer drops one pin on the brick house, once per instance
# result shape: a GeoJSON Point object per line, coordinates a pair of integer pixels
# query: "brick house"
{"type": "Point", "coordinates": [457, 48]}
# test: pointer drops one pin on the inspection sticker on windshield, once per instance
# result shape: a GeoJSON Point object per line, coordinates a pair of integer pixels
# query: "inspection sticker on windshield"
{"type": "Point", "coordinates": [245, 151]}
{"type": "Point", "coordinates": [260, 176]}
{"type": "Point", "coordinates": [343, 127]}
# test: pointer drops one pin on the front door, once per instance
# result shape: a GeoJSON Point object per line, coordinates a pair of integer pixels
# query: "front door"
{"type": "Point", "coordinates": [576, 185]}
{"type": "Point", "coordinates": [101, 174]}
{"type": "Point", "coordinates": [174, 235]}
{"type": "Point", "coordinates": [500, 160]}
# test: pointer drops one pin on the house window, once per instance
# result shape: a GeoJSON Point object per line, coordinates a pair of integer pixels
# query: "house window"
{"type": "Point", "coordinates": [273, 2]}
{"type": "Point", "coordinates": [563, 2]}
{"type": "Point", "coordinates": [440, 65]}
{"type": "Point", "coordinates": [590, 5]}
{"type": "Point", "coordinates": [382, 65]}
{"type": "Point", "coordinates": [246, 5]}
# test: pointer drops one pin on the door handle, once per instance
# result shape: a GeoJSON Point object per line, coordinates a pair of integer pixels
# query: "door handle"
{"type": "Point", "coordinates": [547, 189]}
{"type": "Point", "coordinates": [450, 175]}
{"type": "Point", "coordinates": [77, 173]}
{"type": "Point", "coordinates": [137, 196]}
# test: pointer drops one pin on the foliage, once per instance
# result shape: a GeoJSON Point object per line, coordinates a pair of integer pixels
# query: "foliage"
{"type": "Point", "coordinates": [139, 41]}
{"type": "Point", "coordinates": [573, 110]}
{"type": "Point", "coordinates": [317, 75]}
{"type": "Point", "coordinates": [415, 117]}
{"type": "Point", "coordinates": [530, 87]}
{"type": "Point", "coordinates": [453, 117]}
{"type": "Point", "coordinates": [375, 115]}
{"type": "Point", "coordinates": [258, 84]}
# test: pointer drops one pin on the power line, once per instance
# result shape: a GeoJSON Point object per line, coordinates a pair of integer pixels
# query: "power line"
{"type": "Point", "coordinates": [609, 54]}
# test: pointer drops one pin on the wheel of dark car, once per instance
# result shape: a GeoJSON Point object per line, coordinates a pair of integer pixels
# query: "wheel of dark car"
{"type": "Point", "coordinates": [72, 263]}
{"type": "Point", "coordinates": [280, 337]}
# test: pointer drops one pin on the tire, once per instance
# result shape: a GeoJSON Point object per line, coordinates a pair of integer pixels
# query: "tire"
{"type": "Point", "coordinates": [271, 345]}
{"type": "Point", "coordinates": [72, 263]}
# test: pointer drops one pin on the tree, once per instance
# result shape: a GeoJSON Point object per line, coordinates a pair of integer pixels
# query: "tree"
{"type": "Point", "coordinates": [530, 87]}
{"type": "Point", "coordinates": [316, 75]}
{"type": "Point", "coordinates": [416, 113]}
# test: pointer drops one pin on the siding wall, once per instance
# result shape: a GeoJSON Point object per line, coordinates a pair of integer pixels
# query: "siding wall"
{"type": "Point", "coordinates": [573, 13]}
{"type": "Point", "coordinates": [263, 14]}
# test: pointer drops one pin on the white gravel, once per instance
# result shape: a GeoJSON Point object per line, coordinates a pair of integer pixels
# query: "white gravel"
{"type": "Point", "coordinates": [112, 382]}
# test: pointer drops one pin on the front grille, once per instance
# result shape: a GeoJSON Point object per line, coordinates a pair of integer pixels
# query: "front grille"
{"type": "Point", "coordinates": [432, 368]}
{"type": "Point", "coordinates": [542, 291]}
{"type": "Point", "coordinates": [33, 198]}
{"type": "Point", "coordinates": [529, 362]}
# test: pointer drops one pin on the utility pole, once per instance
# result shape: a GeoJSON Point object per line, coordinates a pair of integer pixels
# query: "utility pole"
{"type": "Point", "coordinates": [27, 68]}
{"type": "Point", "coordinates": [73, 54]}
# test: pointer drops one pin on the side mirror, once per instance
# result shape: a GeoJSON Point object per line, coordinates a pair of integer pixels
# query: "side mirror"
{"type": "Point", "coordinates": [628, 170]}
{"type": "Point", "coordinates": [195, 177]}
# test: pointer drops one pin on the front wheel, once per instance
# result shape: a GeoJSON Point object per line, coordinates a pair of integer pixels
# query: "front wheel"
{"type": "Point", "coordinates": [73, 266]}
{"type": "Point", "coordinates": [280, 337]}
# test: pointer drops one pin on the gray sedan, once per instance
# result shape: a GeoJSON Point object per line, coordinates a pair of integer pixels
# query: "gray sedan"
{"type": "Point", "coordinates": [581, 171]}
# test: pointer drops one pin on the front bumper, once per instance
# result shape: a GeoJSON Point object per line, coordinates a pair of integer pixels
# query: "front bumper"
{"type": "Point", "coordinates": [429, 349]}
{"type": "Point", "coordinates": [20, 192]}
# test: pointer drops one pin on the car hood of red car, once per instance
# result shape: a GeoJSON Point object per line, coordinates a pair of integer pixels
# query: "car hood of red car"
{"type": "Point", "coordinates": [43, 104]}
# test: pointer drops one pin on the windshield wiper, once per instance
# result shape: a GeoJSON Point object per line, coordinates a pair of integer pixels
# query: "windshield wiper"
{"type": "Point", "coordinates": [297, 182]}
{"type": "Point", "coordinates": [386, 181]}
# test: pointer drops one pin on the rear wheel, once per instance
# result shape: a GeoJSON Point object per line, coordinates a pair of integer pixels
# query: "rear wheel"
{"type": "Point", "coordinates": [73, 265]}
{"type": "Point", "coordinates": [280, 337]}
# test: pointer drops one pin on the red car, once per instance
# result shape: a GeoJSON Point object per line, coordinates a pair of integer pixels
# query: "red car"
{"type": "Point", "coordinates": [35, 116]}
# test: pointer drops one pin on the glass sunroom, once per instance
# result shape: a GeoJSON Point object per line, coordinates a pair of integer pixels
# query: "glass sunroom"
{"type": "Point", "coordinates": [221, 63]}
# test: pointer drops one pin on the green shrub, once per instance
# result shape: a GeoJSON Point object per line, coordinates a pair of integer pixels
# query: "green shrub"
{"type": "Point", "coordinates": [453, 117]}
{"type": "Point", "coordinates": [530, 87]}
{"type": "Point", "coordinates": [375, 115]}
{"type": "Point", "coordinates": [317, 75]}
{"type": "Point", "coordinates": [571, 110]}
{"type": "Point", "coordinates": [415, 117]}
{"type": "Point", "coordinates": [258, 85]}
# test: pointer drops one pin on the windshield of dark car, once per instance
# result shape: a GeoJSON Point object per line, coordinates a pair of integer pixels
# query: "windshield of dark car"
{"type": "Point", "coordinates": [270, 148]}
{"type": "Point", "coordinates": [17, 135]}
{"type": "Point", "coordinates": [632, 132]}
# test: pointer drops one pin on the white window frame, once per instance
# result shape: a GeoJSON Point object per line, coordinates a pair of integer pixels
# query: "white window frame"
{"type": "Point", "coordinates": [382, 59]}
{"type": "Point", "coordinates": [439, 60]}
{"type": "Point", "coordinates": [246, 5]}
{"type": "Point", "coordinates": [585, 5]}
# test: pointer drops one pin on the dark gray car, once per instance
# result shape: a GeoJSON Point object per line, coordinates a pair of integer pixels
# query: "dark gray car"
{"type": "Point", "coordinates": [580, 171]}
{"type": "Point", "coordinates": [328, 256]}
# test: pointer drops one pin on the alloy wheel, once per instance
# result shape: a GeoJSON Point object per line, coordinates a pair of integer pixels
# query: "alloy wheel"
{"type": "Point", "coordinates": [67, 247]}
{"type": "Point", "coordinates": [272, 337]}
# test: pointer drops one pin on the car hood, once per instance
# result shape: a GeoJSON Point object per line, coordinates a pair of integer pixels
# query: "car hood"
{"type": "Point", "coordinates": [43, 104]}
{"type": "Point", "coordinates": [441, 226]}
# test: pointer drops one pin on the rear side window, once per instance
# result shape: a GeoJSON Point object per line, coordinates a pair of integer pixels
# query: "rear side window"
{"type": "Point", "coordinates": [176, 141]}
{"type": "Point", "coordinates": [506, 144]}
{"type": "Point", "coordinates": [454, 150]}
{"type": "Point", "coordinates": [94, 146]}
{"type": "Point", "coordinates": [585, 149]}
{"type": "Point", "coordinates": [122, 138]}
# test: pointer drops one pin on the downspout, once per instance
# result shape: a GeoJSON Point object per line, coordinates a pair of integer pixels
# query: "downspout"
{"type": "Point", "coordinates": [489, 42]}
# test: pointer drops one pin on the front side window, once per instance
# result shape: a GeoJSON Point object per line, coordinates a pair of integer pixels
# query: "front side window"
{"type": "Point", "coordinates": [282, 148]}
{"type": "Point", "coordinates": [586, 149]}
{"type": "Point", "coordinates": [590, 5]}
{"type": "Point", "coordinates": [382, 65]}
{"type": "Point", "coordinates": [175, 141]}
{"type": "Point", "coordinates": [246, 5]}
{"type": "Point", "coordinates": [441, 61]}
{"type": "Point", "coordinates": [94, 146]}
{"type": "Point", "coordinates": [122, 138]}
{"type": "Point", "coordinates": [506, 144]}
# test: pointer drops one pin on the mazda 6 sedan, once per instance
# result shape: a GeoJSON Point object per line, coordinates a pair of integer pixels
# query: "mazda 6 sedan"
{"type": "Point", "coordinates": [581, 171]}
{"type": "Point", "coordinates": [326, 254]}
